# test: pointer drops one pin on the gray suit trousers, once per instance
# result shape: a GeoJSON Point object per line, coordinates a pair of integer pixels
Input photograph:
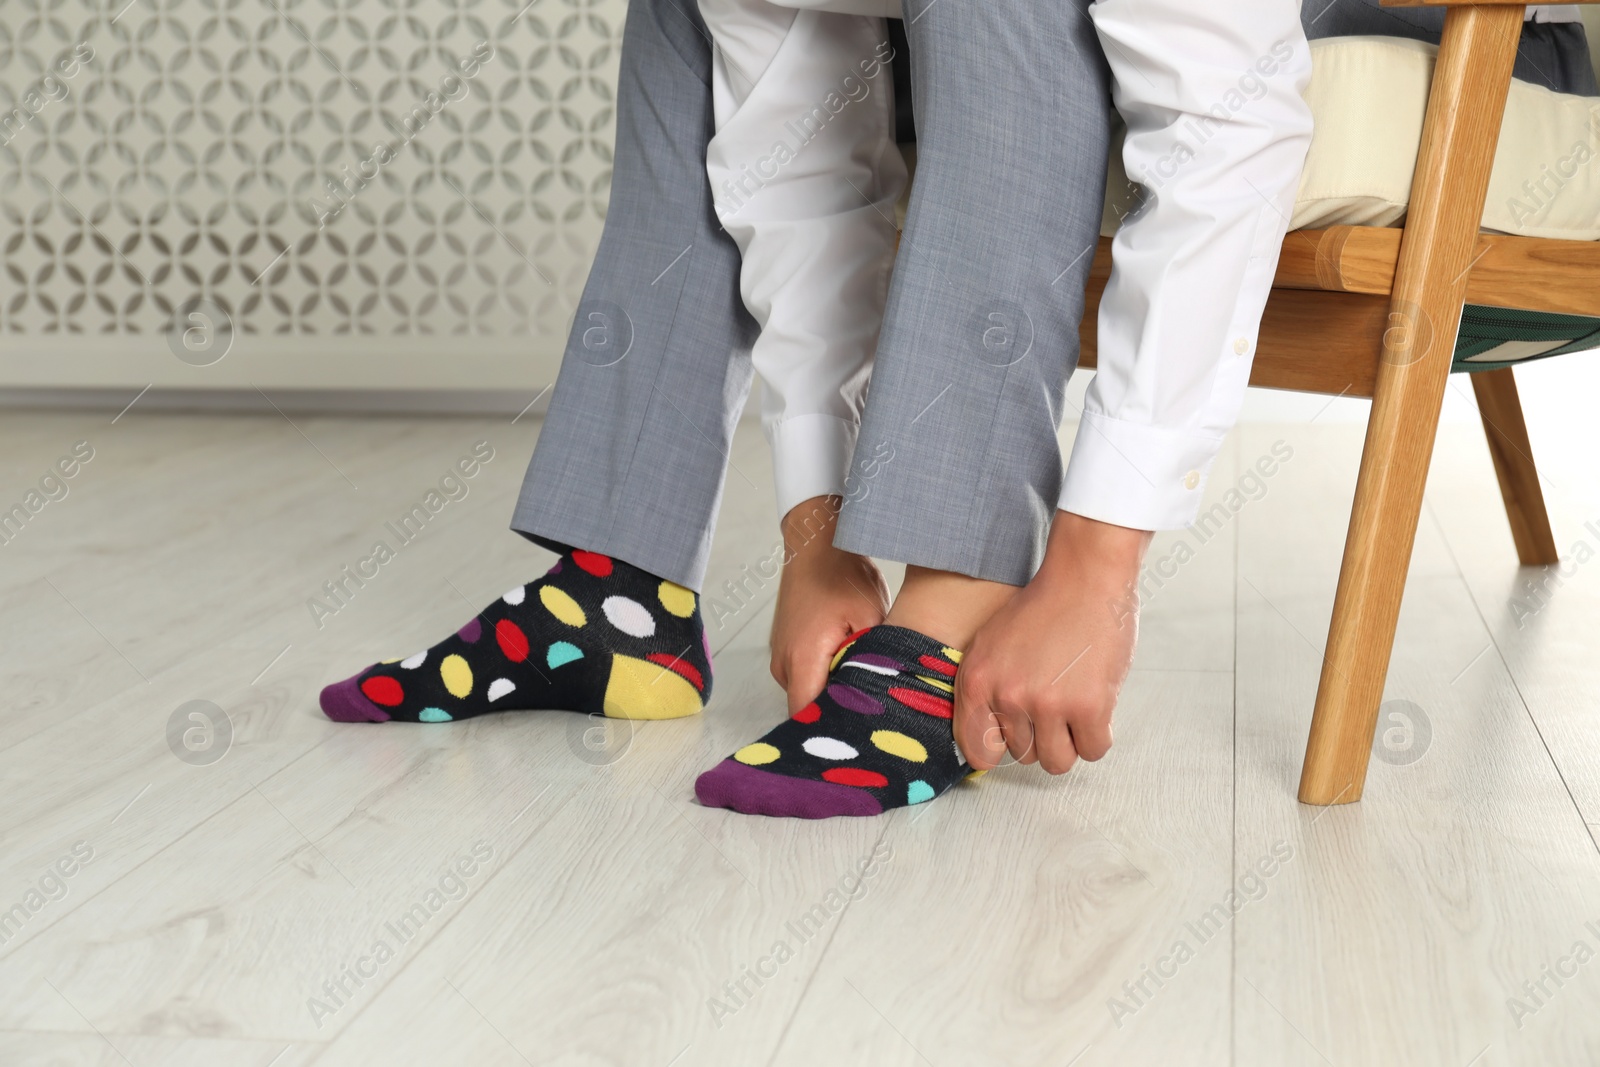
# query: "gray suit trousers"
{"type": "Point", "coordinates": [634, 450]}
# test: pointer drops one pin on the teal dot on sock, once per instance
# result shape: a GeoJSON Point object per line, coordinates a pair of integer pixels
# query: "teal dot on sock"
{"type": "Point", "coordinates": [562, 653]}
{"type": "Point", "coordinates": [433, 715]}
{"type": "Point", "coordinates": [918, 791]}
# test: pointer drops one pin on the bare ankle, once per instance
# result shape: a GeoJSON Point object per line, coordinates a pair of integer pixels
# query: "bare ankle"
{"type": "Point", "coordinates": [946, 606]}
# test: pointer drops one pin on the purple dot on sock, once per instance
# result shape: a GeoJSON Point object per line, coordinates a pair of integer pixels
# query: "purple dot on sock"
{"type": "Point", "coordinates": [471, 631]}
{"type": "Point", "coordinates": [872, 659]}
{"type": "Point", "coordinates": [555, 569]}
{"type": "Point", "coordinates": [852, 699]}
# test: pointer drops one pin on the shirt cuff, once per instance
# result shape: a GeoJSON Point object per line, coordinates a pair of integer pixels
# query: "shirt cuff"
{"type": "Point", "coordinates": [1136, 475]}
{"type": "Point", "coordinates": [810, 457]}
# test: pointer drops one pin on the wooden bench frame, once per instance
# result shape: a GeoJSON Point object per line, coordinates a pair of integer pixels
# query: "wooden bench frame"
{"type": "Point", "coordinates": [1374, 312]}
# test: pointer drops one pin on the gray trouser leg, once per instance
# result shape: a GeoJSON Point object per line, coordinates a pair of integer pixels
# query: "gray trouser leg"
{"type": "Point", "coordinates": [957, 464]}
{"type": "Point", "coordinates": [631, 458]}
{"type": "Point", "coordinates": [1552, 54]}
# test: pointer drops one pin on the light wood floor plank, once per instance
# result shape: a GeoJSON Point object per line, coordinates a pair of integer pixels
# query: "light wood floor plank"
{"type": "Point", "coordinates": [40, 1049]}
{"type": "Point", "coordinates": [1405, 922]}
{"type": "Point", "coordinates": [1541, 619]}
{"type": "Point", "coordinates": [631, 910]}
{"type": "Point", "coordinates": [1001, 923]}
{"type": "Point", "coordinates": [1010, 917]}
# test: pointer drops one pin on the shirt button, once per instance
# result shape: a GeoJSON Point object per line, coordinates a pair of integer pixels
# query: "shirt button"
{"type": "Point", "coordinates": [1191, 479]}
{"type": "Point", "coordinates": [1241, 345]}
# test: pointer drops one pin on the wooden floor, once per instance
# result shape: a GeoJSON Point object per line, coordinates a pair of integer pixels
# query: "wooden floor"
{"type": "Point", "coordinates": [1170, 905]}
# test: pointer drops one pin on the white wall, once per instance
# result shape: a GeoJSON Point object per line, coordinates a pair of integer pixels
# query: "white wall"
{"type": "Point", "coordinates": [163, 163]}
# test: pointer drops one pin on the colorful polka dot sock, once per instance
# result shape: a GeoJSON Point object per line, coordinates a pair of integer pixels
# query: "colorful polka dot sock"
{"type": "Point", "coordinates": [877, 737]}
{"type": "Point", "coordinates": [594, 635]}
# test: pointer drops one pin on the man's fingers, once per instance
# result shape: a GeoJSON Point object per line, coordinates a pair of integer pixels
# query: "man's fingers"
{"type": "Point", "coordinates": [1017, 726]}
{"type": "Point", "coordinates": [1092, 738]}
{"type": "Point", "coordinates": [1057, 752]}
{"type": "Point", "coordinates": [808, 673]}
{"type": "Point", "coordinates": [978, 732]}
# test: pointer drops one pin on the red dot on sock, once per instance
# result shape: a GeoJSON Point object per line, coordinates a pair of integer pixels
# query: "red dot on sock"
{"type": "Point", "coordinates": [851, 638]}
{"type": "Point", "coordinates": [383, 690]}
{"type": "Point", "coordinates": [922, 702]}
{"type": "Point", "coordinates": [933, 663]}
{"type": "Point", "coordinates": [513, 642]}
{"type": "Point", "coordinates": [678, 666]}
{"type": "Point", "coordinates": [593, 562]}
{"type": "Point", "coordinates": [854, 776]}
{"type": "Point", "coordinates": [810, 713]}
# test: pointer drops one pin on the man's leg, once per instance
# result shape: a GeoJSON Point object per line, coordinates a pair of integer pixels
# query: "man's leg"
{"type": "Point", "coordinates": [1013, 121]}
{"type": "Point", "coordinates": [806, 173]}
{"type": "Point", "coordinates": [981, 332]}
{"type": "Point", "coordinates": [1013, 115]}
{"type": "Point", "coordinates": [633, 452]}
{"type": "Point", "coordinates": [628, 473]}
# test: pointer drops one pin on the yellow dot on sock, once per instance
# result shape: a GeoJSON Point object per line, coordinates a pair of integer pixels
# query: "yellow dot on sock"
{"type": "Point", "coordinates": [456, 675]}
{"type": "Point", "coordinates": [953, 655]}
{"type": "Point", "coordinates": [397, 659]}
{"type": "Point", "coordinates": [562, 606]}
{"type": "Point", "coordinates": [974, 776]}
{"type": "Point", "coordinates": [676, 599]}
{"type": "Point", "coordinates": [898, 744]}
{"type": "Point", "coordinates": [936, 683]}
{"type": "Point", "coordinates": [839, 655]}
{"type": "Point", "coordinates": [756, 754]}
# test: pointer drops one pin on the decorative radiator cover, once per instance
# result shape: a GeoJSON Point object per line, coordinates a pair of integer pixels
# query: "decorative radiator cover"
{"type": "Point", "coordinates": [299, 193]}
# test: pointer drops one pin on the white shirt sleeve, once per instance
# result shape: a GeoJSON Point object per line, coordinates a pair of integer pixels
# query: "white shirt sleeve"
{"type": "Point", "coordinates": [805, 173]}
{"type": "Point", "coordinates": [1217, 136]}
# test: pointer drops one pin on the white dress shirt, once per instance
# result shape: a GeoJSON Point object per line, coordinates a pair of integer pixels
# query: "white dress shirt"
{"type": "Point", "coordinates": [1217, 135]}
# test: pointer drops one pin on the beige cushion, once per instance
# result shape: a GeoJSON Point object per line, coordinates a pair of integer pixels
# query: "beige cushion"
{"type": "Point", "coordinates": [1368, 95]}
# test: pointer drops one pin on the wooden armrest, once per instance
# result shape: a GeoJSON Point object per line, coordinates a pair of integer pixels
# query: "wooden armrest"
{"type": "Point", "coordinates": [1532, 273]}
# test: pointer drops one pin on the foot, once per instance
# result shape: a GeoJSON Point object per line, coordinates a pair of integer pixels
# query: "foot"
{"type": "Point", "coordinates": [877, 737]}
{"type": "Point", "coordinates": [594, 635]}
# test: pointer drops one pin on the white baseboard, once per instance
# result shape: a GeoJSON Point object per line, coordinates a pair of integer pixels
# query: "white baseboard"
{"type": "Point", "coordinates": [530, 402]}
{"type": "Point", "coordinates": [341, 362]}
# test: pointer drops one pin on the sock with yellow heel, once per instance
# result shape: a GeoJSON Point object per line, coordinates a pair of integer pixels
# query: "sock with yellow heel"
{"type": "Point", "coordinates": [594, 635]}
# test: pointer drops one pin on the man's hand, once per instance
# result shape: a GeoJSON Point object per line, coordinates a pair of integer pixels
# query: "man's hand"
{"type": "Point", "coordinates": [1042, 676]}
{"type": "Point", "coordinates": [824, 596]}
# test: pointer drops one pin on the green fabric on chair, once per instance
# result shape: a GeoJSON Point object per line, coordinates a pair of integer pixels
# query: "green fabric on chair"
{"type": "Point", "coordinates": [1491, 337]}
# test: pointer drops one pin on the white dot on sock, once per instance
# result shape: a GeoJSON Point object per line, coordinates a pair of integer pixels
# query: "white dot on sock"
{"type": "Point", "coordinates": [829, 748]}
{"type": "Point", "coordinates": [516, 596]}
{"type": "Point", "coordinates": [411, 663]}
{"type": "Point", "coordinates": [499, 688]}
{"type": "Point", "coordinates": [875, 668]}
{"type": "Point", "coordinates": [629, 616]}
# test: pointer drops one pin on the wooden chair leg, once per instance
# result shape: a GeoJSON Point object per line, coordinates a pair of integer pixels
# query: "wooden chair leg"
{"type": "Point", "coordinates": [1503, 425]}
{"type": "Point", "coordinates": [1462, 126]}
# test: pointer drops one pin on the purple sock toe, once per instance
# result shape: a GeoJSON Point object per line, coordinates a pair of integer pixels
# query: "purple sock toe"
{"type": "Point", "coordinates": [344, 702]}
{"type": "Point", "coordinates": [731, 784]}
